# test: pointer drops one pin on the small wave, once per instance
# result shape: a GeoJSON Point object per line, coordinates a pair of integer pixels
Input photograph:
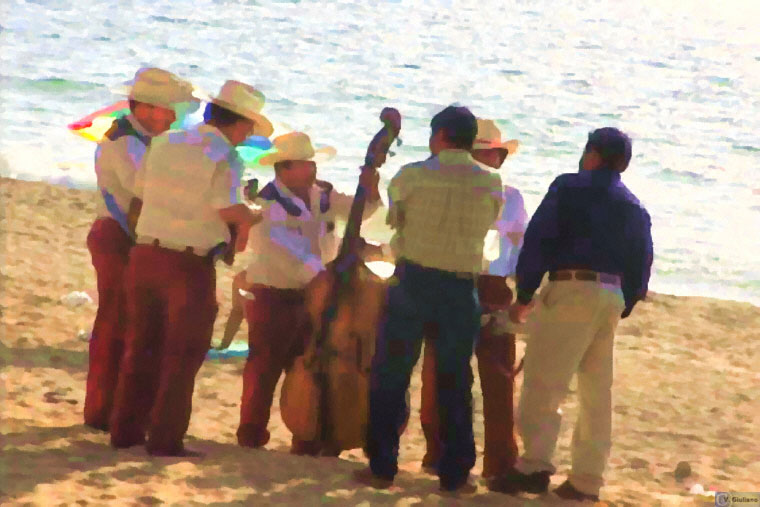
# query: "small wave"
{"type": "Point", "coordinates": [165, 19]}
{"type": "Point", "coordinates": [656, 65]}
{"type": "Point", "coordinates": [50, 84]}
{"type": "Point", "coordinates": [746, 147]}
{"type": "Point", "coordinates": [576, 82]}
{"type": "Point", "coordinates": [512, 72]}
{"type": "Point", "coordinates": [683, 176]}
{"type": "Point", "coordinates": [719, 81]}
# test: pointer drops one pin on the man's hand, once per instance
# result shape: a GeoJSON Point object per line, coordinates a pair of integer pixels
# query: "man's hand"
{"type": "Point", "coordinates": [518, 312]}
{"type": "Point", "coordinates": [369, 179]}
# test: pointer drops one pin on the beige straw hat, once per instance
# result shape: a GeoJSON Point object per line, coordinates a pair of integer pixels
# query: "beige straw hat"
{"type": "Point", "coordinates": [295, 146]}
{"type": "Point", "coordinates": [489, 136]}
{"type": "Point", "coordinates": [246, 101]}
{"type": "Point", "coordinates": [158, 87]}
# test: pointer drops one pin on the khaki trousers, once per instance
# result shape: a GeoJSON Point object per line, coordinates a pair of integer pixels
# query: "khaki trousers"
{"type": "Point", "coordinates": [573, 332]}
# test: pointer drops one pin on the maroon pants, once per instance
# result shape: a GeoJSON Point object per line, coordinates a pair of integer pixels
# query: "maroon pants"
{"type": "Point", "coordinates": [109, 248]}
{"type": "Point", "coordinates": [171, 307]}
{"type": "Point", "coordinates": [496, 360]}
{"type": "Point", "coordinates": [278, 330]}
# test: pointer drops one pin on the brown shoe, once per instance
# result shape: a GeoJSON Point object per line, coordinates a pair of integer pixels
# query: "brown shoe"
{"type": "Point", "coordinates": [567, 491]}
{"type": "Point", "coordinates": [366, 477]}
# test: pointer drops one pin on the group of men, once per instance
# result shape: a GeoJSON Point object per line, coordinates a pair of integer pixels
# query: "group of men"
{"type": "Point", "coordinates": [171, 202]}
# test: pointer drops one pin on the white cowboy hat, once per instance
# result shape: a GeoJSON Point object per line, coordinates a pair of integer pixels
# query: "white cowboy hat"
{"type": "Point", "coordinates": [158, 87]}
{"type": "Point", "coordinates": [247, 101]}
{"type": "Point", "coordinates": [295, 146]}
{"type": "Point", "coordinates": [489, 136]}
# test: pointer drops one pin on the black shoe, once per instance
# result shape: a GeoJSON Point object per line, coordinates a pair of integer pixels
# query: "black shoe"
{"type": "Point", "coordinates": [98, 426]}
{"type": "Point", "coordinates": [568, 492]}
{"type": "Point", "coordinates": [465, 488]}
{"type": "Point", "coordinates": [366, 477]}
{"type": "Point", "coordinates": [514, 482]}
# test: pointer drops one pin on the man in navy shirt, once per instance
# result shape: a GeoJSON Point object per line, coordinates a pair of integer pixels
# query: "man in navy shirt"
{"type": "Point", "coordinates": [593, 237]}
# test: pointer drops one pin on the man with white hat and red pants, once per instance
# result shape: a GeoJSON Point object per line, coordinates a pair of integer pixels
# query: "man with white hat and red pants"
{"type": "Point", "coordinates": [495, 350]}
{"type": "Point", "coordinates": [290, 248]}
{"type": "Point", "coordinates": [188, 194]}
{"type": "Point", "coordinates": [153, 96]}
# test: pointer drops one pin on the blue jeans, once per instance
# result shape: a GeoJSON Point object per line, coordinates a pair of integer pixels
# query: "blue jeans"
{"type": "Point", "coordinates": [425, 295]}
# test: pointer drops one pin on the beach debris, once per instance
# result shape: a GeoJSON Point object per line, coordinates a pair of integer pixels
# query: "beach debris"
{"type": "Point", "coordinates": [682, 471]}
{"type": "Point", "coordinates": [76, 298]}
{"type": "Point", "coordinates": [84, 335]}
{"type": "Point", "coordinates": [638, 463]}
{"type": "Point", "coordinates": [698, 489]}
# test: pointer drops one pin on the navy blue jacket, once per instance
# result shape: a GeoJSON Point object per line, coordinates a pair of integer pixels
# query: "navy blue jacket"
{"type": "Point", "coordinates": [588, 220]}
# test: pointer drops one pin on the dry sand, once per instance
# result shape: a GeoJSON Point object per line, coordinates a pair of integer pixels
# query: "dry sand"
{"type": "Point", "coordinates": [686, 389]}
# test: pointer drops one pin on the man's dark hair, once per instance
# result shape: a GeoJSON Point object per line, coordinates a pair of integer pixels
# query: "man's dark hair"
{"type": "Point", "coordinates": [613, 146]}
{"type": "Point", "coordinates": [220, 116]}
{"type": "Point", "coordinates": [458, 124]}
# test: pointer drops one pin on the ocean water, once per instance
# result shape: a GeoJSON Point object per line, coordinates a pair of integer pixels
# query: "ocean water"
{"type": "Point", "coordinates": [682, 78]}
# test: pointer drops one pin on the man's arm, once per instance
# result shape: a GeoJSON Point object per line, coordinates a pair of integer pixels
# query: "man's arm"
{"type": "Point", "coordinates": [639, 261]}
{"type": "Point", "coordinates": [242, 218]}
{"type": "Point", "coordinates": [539, 245]}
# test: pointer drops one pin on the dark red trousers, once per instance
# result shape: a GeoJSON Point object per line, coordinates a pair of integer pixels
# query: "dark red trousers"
{"type": "Point", "coordinates": [171, 307]}
{"type": "Point", "coordinates": [278, 330]}
{"type": "Point", "coordinates": [109, 248]}
{"type": "Point", "coordinates": [496, 360]}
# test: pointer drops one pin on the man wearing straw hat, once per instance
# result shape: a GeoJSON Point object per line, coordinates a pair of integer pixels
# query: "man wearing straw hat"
{"type": "Point", "coordinates": [153, 96]}
{"type": "Point", "coordinates": [188, 194]}
{"type": "Point", "coordinates": [495, 350]}
{"type": "Point", "coordinates": [290, 248]}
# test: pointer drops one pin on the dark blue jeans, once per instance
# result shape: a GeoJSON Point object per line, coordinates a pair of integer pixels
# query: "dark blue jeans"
{"type": "Point", "coordinates": [425, 295]}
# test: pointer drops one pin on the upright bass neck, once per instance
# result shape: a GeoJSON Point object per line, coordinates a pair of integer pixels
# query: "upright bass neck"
{"type": "Point", "coordinates": [375, 157]}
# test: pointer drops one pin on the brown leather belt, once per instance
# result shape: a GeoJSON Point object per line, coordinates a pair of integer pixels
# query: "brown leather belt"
{"type": "Point", "coordinates": [583, 275]}
{"type": "Point", "coordinates": [158, 243]}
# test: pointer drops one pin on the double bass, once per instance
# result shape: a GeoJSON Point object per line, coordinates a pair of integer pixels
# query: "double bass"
{"type": "Point", "coordinates": [325, 395]}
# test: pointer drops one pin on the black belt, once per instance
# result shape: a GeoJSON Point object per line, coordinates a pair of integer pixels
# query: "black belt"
{"type": "Point", "coordinates": [454, 274]}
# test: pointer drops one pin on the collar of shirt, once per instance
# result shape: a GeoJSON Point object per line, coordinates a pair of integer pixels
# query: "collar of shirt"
{"type": "Point", "coordinates": [138, 126]}
{"type": "Point", "coordinates": [205, 128]}
{"type": "Point", "coordinates": [285, 192]}
{"type": "Point", "coordinates": [456, 157]}
{"type": "Point", "coordinates": [602, 175]}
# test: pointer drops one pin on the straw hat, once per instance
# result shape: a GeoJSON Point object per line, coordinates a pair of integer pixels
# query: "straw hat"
{"type": "Point", "coordinates": [489, 136]}
{"type": "Point", "coordinates": [246, 101]}
{"type": "Point", "coordinates": [158, 87]}
{"type": "Point", "coordinates": [294, 146]}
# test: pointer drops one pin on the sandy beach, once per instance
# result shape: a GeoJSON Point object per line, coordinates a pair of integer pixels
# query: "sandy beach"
{"type": "Point", "coordinates": [686, 389]}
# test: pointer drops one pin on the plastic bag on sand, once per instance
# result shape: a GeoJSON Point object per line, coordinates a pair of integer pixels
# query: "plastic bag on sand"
{"type": "Point", "coordinates": [76, 298]}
